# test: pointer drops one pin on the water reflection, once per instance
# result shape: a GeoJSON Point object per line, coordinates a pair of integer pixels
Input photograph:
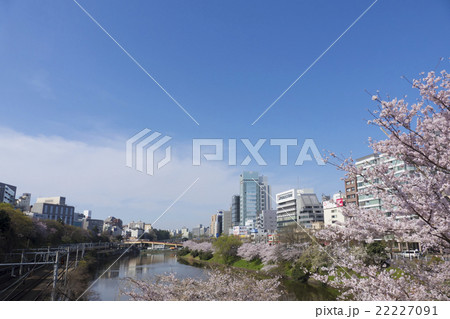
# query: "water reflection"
{"type": "Point", "coordinates": [143, 266]}
{"type": "Point", "coordinates": [147, 265]}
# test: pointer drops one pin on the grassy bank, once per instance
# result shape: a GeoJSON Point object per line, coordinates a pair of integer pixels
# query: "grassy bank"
{"type": "Point", "coordinates": [241, 263]}
{"type": "Point", "coordinates": [296, 290]}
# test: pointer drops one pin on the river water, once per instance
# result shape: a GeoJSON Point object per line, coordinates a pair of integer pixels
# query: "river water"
{"type": "Point", "coordinates": [148, 264]}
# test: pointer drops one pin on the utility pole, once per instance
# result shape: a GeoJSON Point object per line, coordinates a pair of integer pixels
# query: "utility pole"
{"type": "Point", "coordinates": [76, 258]}
{"type": "Point", "coordinates": [21, 261]}
{"type": "Point", "coordinates": [55, 275]}
{"type": "Point", "coordinates": [67, 266]}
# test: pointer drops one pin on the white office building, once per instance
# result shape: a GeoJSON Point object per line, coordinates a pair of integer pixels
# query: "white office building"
{"type": "Point", "coordinates": [367, 201]}
{"type": "Point", "coordinates": [332, 210]}
{"type": "Point", "coordinates": [298, 207]}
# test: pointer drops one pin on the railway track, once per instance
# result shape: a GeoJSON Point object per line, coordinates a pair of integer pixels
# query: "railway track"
{"type": "Point", "coordinates": [26, 286]}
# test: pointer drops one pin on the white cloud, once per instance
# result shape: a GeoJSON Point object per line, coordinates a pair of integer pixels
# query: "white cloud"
{"type": "Point", "coordinates": [95, 177]}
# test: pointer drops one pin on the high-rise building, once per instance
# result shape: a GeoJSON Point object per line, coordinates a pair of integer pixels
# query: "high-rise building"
{"type": "Point", "coordinates": [298, 207]}
{"type": "Point", "coordinates": [351, 191]}
{"type": "Point", "coordinates": [216, 224]}
{"type": "Point", "coordinates": [367, 201]}
{"type": "Point", "coordinates": [266, 220]}
{"type": "Point", "coordinates": [264, 193]}
{"type": "Point", "coordinates": [226, 222]}
{"type": "Point", "coordinates": [7, 193]}
{"type": "Point", "coordinates": [254, 196]}
{"type": "Point", "coordinates": [54, 208]}
{"type": "Point", "coordinates": [235, 210]}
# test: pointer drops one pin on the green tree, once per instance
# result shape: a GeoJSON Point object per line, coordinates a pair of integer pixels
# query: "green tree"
{"type": "Point", "coordinates": [5, 221]}
{"type": "Point", "coordinates": [376, 253]}
{"type": "Point", "coordinates": [226, 248]}
{"type": "Point", "coordinates": [311, 261]}
{"type": "Point", "coordinates": [5, 230]}
{"type": "Point", "coordinates": [151, 235]}
{"type": "Point", "coordinates": [95, 230]}
{"type": "Point", "coordinates": [21, 232]}
{"type": "Point", "coordinates": [162, 234]}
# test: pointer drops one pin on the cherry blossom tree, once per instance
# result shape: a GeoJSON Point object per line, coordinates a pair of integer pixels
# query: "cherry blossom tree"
{"type": "Point", "coordinates": [415, 200]}
{"type": "Point", "coordinates": [199, 246]}
{"type": "Point", "coordinates": [271, 253]}
{"type": "Point", "coordinates": [250, 251]}
{"type": "Point", "coordinates": [223, 286]}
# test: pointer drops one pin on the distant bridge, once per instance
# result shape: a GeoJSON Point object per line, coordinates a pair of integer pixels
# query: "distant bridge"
{"type": "Point", "coordinates": [153, 244]}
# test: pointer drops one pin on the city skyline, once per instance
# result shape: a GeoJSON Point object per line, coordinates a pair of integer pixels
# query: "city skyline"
{"type": "Point", "coordinates": [72, 97]}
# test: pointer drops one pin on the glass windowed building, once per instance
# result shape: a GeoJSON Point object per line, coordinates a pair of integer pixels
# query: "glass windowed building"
{"type": "Point", "coordinates": [254, 196]}
{"type": "Point", "coordinates": [235, 210]}
{"type": "Point", "coordinates": [7, 193]}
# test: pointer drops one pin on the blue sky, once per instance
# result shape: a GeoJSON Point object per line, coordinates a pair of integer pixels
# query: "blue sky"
{"type": "Point", "coordinates": [63, 79]}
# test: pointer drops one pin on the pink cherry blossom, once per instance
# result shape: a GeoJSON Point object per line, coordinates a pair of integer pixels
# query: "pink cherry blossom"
{"type": "Point", "coordinates": [417, 200]}
{"type": "Point", "coordinates": [223, 286]}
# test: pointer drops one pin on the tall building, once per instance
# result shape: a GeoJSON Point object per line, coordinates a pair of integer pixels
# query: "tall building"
{"type": "Point", "coordinates": [254, 196]}
{"type": "Point", "coordinates": [351, 191]}
{"type": "Point", "coordinates": [54, 208]}
{"type": "Point", "coordinates": [235, 210]}
{"type": "Point", "coordinates": [226, 222]}
{"type": "Point", "coordinates": [298, 207]}
{"type": "Point", "coordinates": [332, 209]}
{"type": "Point", "coordinates": [264, 193]}
{"type": "Point", "coordinates": [266, 220]}
{"type": "Point", "coordinates": [216, 224]}
{"type": "Point", "coordinates": [7, 193]}
{"type": "Point", "coordinates": [24, 202]}
{"type": "Point", "coordinates": [367, 201]}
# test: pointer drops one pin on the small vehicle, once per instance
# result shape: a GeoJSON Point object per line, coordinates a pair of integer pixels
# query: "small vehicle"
{"type": "Point", "coordinates": [410, 253]}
